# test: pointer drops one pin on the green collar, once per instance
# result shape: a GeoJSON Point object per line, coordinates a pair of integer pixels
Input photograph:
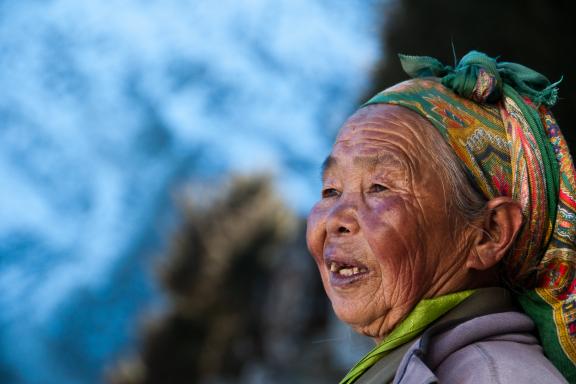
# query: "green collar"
{"type": "Point", "coordinates": [425, 312]}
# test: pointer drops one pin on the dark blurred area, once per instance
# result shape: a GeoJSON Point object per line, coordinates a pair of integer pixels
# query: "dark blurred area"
{"type": "Point", "coordinates": [245, 301]}
{"type": "Point", "coordinates": [536, 33]}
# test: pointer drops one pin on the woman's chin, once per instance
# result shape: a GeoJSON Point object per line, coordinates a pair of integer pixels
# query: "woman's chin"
{"type": "Point", "coordinates": [358, 317]}
{"type": "Point", "coordinates": [348, 314]}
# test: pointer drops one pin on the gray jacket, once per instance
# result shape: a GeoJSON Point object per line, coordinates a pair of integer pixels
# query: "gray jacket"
{"type": "Point", "coordinates": [483, 340]}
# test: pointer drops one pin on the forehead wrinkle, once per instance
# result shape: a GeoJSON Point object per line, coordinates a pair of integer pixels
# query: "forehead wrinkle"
{"type": "Point", "coordinates": [398, 131]}
{"type": "Point", "coordinates": [382, 119]}
{"type": "Point", "coordinates": [386, 156]}
{"type": "Point", "coordinates": [363, 123]}
{"type": "Point", "coordinates": [393, 144]}
{"type": "Point", "coordinates": [384, 127]}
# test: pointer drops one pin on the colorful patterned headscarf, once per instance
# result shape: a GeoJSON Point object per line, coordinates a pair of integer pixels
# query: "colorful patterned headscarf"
{"type": "Point", "coordinates": [495, 117]}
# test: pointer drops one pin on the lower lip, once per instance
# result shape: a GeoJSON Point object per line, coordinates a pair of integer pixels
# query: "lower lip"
{"type": "Point", "coordinates": [340, 281]}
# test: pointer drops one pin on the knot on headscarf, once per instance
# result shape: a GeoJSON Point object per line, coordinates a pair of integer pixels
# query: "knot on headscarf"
{"type": "Point", "coordinates": [481, 78]}
{"type": "Point", "coordinates": [495, 117]}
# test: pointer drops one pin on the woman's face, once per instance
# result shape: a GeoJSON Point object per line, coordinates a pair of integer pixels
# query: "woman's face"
{"type": "Point", "coordinates": [381, 234]}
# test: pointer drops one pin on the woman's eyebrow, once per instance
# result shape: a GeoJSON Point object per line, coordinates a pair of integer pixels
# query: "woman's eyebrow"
{"type": "Point", "coordinates": [376, 160]}
{"type": "Point", "coordinates": [372, 162]}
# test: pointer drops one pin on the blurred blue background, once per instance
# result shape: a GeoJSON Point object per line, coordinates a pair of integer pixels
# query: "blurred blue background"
{"type": "Point", "coordinates": [107, 108]}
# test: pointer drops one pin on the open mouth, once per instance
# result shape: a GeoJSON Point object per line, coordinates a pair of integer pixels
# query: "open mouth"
{"type": "Point", "coordinates": [345, 273]}
{"type": "Point", "coordinates": [345, 269]}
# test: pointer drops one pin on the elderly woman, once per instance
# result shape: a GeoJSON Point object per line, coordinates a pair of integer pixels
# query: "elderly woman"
{"type": "Point", "coordinates": [447, 225]}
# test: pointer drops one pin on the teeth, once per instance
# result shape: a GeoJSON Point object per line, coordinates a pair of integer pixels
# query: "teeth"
{"type": "Point", "coordinates": [333, 267]}
{"type": "Point", "coordinates": [350, 271]}
{"type": "Point", "coordinates": [346, 272]}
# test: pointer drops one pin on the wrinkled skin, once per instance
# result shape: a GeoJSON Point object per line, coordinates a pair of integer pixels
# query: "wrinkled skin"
{"type": "Point", "coordinates": [384, 211]}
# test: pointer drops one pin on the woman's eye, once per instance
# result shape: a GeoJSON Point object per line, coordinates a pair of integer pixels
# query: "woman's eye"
{"type": "Point", "coordinates": [329, 192]}
{"type": "Point", "coordinates": [377, 188]}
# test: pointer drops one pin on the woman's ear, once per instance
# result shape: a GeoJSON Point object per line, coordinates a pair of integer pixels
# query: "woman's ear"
{"type": "Point", "coordinates": [496, 232]}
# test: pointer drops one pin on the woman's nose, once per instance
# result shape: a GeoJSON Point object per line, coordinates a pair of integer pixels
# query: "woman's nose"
{"type": "Point", "coordinates": [342, 220]}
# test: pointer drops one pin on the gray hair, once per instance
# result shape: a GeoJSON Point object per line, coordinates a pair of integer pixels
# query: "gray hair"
{"type": "Point", "coordinates": [465, 200]}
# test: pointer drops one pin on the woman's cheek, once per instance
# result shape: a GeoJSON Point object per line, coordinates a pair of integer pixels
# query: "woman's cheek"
{"type": "Point", "coordinates": [316, 230]}
{"type": "Point", "coordinates": [389, 230]}
{"type": "Point", "coordinates": [381, 211]}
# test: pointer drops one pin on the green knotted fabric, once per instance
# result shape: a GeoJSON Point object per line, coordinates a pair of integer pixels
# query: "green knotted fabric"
{"type": "Point", "coordinates": [425, 313]}
{"type": "Point", "coordinates": [481, 78]}
{"type": "Point", "coordinates": [462, 79]}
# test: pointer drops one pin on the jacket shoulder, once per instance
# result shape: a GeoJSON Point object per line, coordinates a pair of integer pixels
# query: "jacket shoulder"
{"type": "Point", "coordinates": [500, 360]}
{"type": "Point", "coordinates": [499, 348]}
